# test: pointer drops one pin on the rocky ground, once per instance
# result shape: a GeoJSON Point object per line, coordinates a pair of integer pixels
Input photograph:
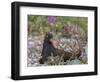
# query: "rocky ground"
{"type": "Point", "coordinates": [35, 45]}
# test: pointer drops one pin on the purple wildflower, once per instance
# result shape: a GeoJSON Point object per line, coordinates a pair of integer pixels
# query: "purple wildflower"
{"type": "Point", "coordinates": [77, 29]}
{"type": "Point", "coordinates": [51, 19]}
{"type": "Point", "coordinates": [66, 28]}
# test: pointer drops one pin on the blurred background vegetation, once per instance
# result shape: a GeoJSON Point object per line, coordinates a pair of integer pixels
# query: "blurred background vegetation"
{"type": "Point", "coordinates": [40, 24]}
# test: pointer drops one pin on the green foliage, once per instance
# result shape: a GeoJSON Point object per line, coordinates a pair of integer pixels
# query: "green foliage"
{"type": "Point", "coordinates": [41, 25]}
